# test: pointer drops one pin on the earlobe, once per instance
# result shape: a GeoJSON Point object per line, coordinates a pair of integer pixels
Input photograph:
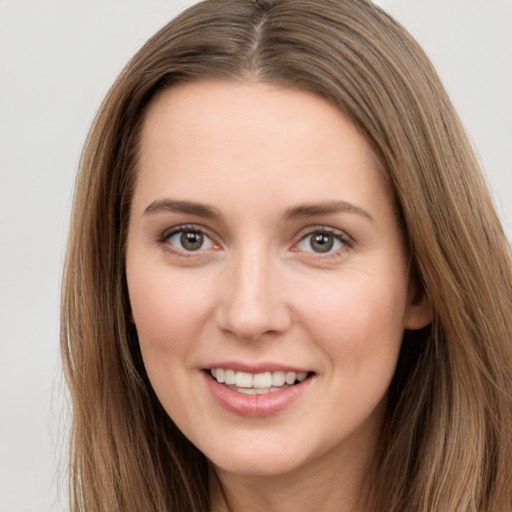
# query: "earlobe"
{"type": "Point", "coordinates": [417, 317]}
{"type": "Point", "coordinates": [419, 312]}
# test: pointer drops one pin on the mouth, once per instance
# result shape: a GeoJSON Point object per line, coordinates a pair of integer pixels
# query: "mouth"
{"type": "Point", "coordinates": [257, 383]}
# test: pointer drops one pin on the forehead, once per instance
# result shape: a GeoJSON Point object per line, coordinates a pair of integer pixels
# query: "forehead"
{"type": "Point", "coordinates": [253, 137]}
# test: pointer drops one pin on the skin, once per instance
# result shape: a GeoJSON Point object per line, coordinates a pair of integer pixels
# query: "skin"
{"type": "Point", "coordinates": [259, 292]}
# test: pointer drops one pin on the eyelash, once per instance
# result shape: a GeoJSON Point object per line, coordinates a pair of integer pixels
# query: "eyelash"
{"type": "Point", "coordinates": [344, 240]}
{"type": "Point", "coordinates": [184, 228]}
{"type": "Point", "coordinates": [339, 236]}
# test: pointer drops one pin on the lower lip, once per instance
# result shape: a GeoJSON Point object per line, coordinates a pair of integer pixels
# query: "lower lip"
{"type": "Point", "coordinates": [255, 406]}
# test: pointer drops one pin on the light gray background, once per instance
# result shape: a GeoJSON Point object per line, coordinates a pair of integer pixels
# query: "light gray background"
{"type": "Point", "coordinates": [57, 60]}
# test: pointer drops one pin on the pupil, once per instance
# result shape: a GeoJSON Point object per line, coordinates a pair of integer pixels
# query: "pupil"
{"type": "Point", "coordinates": [191, 240]}
{"type": "Point", "coordinates": [322, 242]}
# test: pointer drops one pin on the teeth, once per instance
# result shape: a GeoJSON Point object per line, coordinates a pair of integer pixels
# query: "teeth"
{"type": "Point", "coordinates": [259, 391]}
{"type": "Point", "coordinates": [278, 378]}
{"type": "Point", "coordinates": [247, 391]}
{"type": "Point", "coordinates": [290, 378]}
{"type": "Point", "coordinates": [229, 377]}
{"type": "Point", "coordinates": [302, 376]}
{"type": "Point", "coordinates": [243, 380]}
{"type": "Point", "coordinates": [258, 383]}
{"type": "Point", "coordinates": [262, 380]}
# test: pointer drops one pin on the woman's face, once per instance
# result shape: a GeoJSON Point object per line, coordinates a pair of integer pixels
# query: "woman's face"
{"type": "Point", "coordinates": [267, 276]}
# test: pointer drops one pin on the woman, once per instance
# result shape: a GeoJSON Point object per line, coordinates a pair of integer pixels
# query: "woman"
{"type": "Point", "coordinates": [286, 285]}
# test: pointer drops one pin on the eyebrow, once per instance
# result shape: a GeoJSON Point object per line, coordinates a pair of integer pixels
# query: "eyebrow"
{"type": "Point", "coordinates": [297, 212]}
{"type": "Point", "coordinates": [187, 207]}
{"type": "Point", "coordinates": [312, 210]}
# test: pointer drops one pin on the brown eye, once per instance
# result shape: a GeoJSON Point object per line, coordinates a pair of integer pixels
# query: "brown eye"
{"type": "Point", "coordinates": [321, 242]}
{"type": "Point", "coordinates": [189, 240]}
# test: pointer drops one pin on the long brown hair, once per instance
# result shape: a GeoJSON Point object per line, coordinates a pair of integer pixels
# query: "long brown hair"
{"type": "Point", "coordinates": [447, 442]}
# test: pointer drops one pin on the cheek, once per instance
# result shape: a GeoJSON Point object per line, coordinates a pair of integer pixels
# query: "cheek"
{"type": "Point", "coordinates": [167, 306]}
{"type": "Point", "coordinates": [363, 331]}
{"type": "Point", "coordinates": [169, 314]}
{"type": "Point", "coordinates": [360, 323]}
{"type": "Point", "coordinates": [169, 311]}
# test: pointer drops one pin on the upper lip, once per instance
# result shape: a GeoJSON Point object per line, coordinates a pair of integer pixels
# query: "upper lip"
{"type": "Point", "coordinates": [239, 366]}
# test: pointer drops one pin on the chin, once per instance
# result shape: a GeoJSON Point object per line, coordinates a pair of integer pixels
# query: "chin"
{"type": "Point", "coordinates": [267, 458]}
{"type": "Point", "coordinates": [258, 466]}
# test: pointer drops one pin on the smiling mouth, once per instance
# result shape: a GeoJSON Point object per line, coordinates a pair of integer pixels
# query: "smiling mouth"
{"type": "Point", "coordinates": [257, 383]}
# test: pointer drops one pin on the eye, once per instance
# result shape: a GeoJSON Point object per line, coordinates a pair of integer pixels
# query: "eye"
{"type": "Point", "coordinates": [188, 240]}
{"type": "Point", "coordinates": [323, 241]}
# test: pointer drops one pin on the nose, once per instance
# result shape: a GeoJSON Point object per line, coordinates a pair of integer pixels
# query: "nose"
{"type": "Point", "coordinates": [253, 301]}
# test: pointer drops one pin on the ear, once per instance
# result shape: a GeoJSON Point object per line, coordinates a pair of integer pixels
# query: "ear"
{"type": "Point", "coordinates": [419, 312]}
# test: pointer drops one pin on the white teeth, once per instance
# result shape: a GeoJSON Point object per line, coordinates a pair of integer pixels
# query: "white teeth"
{"type": "Point", "coordinates": [243, 380]}
{"type": "Point", "coordinates": [262, 380]}
{"type": "Point", "coordinates": [260, 391]}
{"type": "Point", "coordinates": [229, 377]}
{"type": "Point", "coordinates": [246, 391]}
{"type": "Point", "coordinates": [290, 378]}
{"type": "Point", "coordinates": [278, 378]}
{"type": "Point", "coordinates": [258, 383]}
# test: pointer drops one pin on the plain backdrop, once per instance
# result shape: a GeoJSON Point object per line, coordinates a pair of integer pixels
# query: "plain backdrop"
{"type": "Point", "coordinates": [57, 60]}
